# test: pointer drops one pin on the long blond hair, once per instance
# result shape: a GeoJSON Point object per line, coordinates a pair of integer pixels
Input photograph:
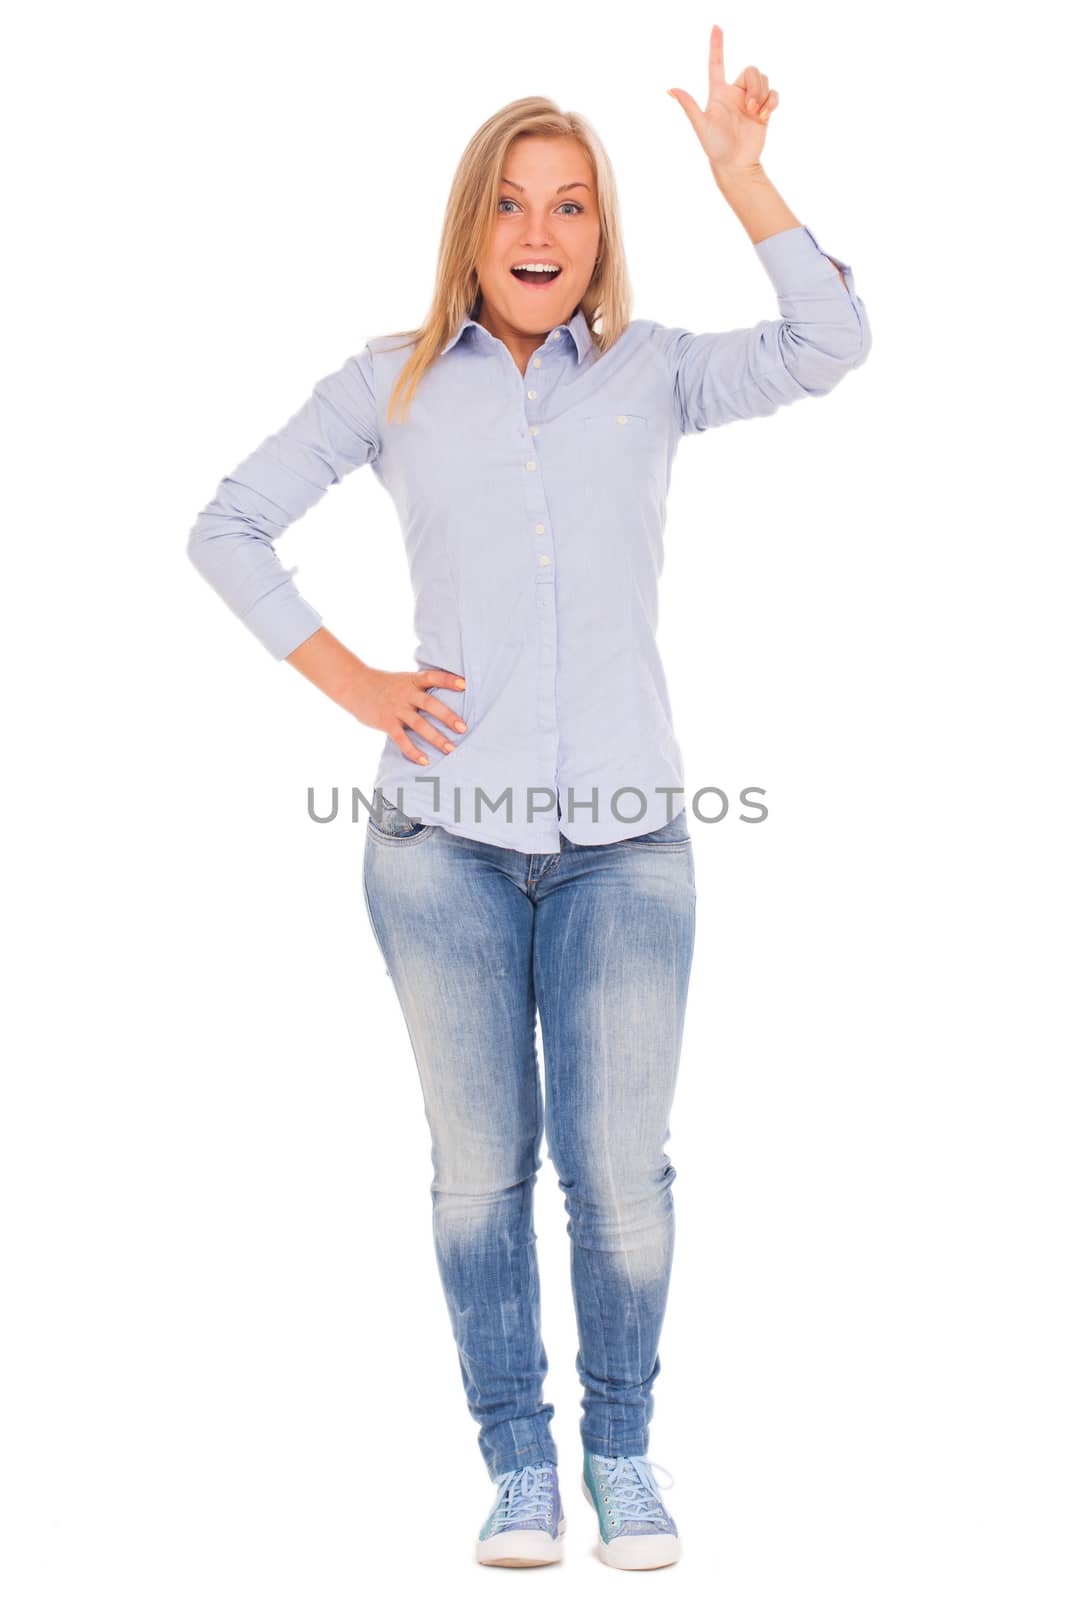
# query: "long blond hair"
{"type": "Point", "coordinates": [469, 219]}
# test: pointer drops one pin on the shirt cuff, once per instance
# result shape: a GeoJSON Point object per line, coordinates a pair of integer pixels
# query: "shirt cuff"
{"type": "Point", "coordinates": [282, 620]}
{"type": "Point", "coordinates": [794, 260]}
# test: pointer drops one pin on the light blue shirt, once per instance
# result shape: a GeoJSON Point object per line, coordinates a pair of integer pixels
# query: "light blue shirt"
{"type": "Point", "coordinates": [532, 507]}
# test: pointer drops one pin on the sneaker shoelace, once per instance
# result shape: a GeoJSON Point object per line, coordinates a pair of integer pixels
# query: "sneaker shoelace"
{"type": "Point", "coordinates": [524, 1497]}
{"type": "Point", "coordinates": [633, 1491]}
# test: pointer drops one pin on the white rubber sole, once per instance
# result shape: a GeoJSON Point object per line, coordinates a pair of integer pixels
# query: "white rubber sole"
{"type": "Point", "coordinates": [521, 1547]}
{"type": "Point", "coordinates": [635, 1552]}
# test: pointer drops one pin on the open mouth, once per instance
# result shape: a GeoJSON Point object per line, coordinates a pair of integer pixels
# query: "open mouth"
{"type": "Point", "coordinates": [536, 278]}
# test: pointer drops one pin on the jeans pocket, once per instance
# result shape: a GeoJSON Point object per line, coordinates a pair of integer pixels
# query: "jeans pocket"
{"type": "Point", "coordinates": [390, 825]}
{"type": "Point", "coordinates": [673, 835]}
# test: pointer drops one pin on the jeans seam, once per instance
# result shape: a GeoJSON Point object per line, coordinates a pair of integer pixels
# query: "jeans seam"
{"type": "Point", "coordinates": [370, 915]}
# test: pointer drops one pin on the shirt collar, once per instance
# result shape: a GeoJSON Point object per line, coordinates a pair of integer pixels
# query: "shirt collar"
{"type": "Point", "coordinates": [577, 327]}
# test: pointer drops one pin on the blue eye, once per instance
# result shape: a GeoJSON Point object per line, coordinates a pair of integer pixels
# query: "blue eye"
{"type": "Point", "coordinates": [506, 200]}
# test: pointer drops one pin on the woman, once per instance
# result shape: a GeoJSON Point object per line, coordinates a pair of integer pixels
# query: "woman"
{"type": "Point", "coordinates": [527, 870]}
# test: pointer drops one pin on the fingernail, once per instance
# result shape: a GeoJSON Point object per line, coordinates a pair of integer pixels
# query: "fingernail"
{"type": "Point", "coordinates": [449, 745]}
{"type": "Point", "coordinates": [462, 726]}
{"type": "Point", "coordinates": [461, 683]}
{"type": "Point", "coordinates": [751, 104]}
{"type": "Point", "coordinates": [425, 760]}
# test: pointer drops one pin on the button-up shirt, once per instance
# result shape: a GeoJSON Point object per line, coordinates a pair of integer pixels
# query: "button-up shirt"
{"type": "Point", "coordinates": [532, 507]}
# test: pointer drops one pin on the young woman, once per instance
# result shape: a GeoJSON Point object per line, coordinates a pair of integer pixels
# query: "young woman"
{"type": "Point", "coordinates": [529, 851]}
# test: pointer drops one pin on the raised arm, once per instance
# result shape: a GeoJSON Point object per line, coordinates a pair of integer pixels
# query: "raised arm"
{"type": "Point", "coordinates": [823, 331]}
{"type": "Point", "coordinates": [821, 334]}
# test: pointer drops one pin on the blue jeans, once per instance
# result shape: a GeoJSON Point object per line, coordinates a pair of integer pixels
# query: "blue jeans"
{"type": "Point", "coordinates": [599, 939]}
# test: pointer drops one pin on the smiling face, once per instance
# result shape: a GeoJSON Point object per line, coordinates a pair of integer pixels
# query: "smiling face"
{"type": "Point", "coordinates": [546, 215]}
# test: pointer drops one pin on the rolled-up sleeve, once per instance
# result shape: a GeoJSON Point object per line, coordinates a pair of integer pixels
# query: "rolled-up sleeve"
{"type": "Point", "coordinates": [232, 542]}
{"type": "Point", "coordinates": [821, 334]}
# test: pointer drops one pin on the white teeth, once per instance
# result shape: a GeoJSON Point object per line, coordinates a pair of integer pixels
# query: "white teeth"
{"type": "Point", "coordinates": [536, 266]}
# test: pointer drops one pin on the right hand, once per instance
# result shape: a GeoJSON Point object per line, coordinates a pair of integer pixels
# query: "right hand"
{"type": "Point", "coordinates": [395, 701]}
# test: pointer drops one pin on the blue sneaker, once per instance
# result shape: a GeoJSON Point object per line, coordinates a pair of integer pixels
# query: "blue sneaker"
{"type": "Point", "coordinates": [526, 1525]}
{"type": "Point", "coordinates": [635, 1529]}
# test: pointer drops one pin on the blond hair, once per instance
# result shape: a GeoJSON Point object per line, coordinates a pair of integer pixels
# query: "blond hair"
{"type": "Point", "coordinates": [469, 219]}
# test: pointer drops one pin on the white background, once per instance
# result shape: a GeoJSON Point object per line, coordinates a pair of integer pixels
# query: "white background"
{"type": "Point", "coordinates": [227, 1368]}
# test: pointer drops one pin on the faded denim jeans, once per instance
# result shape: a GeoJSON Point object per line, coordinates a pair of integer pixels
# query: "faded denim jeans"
{"type": "Point", "coordinates": [599, 939]}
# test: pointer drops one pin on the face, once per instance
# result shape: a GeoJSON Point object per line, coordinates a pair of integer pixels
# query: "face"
{"type": "Point", "coordinates": [546, 213]}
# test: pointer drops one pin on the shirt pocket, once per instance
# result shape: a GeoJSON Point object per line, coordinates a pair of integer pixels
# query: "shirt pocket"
{"type": "Point", "coordinates": [616, 463]}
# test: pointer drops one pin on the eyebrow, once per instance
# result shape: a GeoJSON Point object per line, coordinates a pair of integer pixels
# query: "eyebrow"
{"type": "Point", "coordinates": [560, 190]}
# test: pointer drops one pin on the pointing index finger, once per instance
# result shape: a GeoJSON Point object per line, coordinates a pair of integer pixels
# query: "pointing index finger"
{"type": "Point", "coordinates": [715, 67]}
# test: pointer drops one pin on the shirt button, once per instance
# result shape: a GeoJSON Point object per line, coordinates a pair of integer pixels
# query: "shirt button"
{"type": "Point", "coordinates": [556, 334]}
{"type": "Point", "coordinates": [543, 560]}
{"type": "Point", "coordinates": [531, 394]}
{"type": "Point", "coordinates": [622, 419]}
{"type": "Point", "coordinates": [540, 528]}
{"type": "Point", "coordinates": [535, 432]}
{"type": "Point", "coordinates": [537, 361]}
{"type": "Point", "coordinates": [531, 466]}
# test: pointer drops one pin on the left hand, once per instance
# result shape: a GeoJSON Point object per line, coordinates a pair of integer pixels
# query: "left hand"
{"type": "Point", "coordinates": [733, 126]}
